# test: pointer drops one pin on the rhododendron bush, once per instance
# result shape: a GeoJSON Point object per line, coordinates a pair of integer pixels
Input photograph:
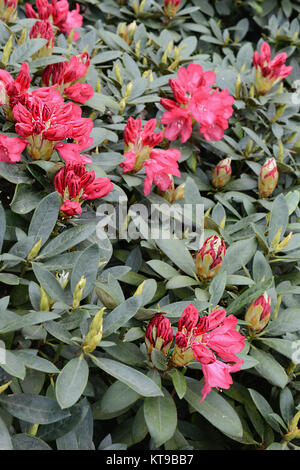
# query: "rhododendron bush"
{"type": "Point", "coordinates": [149, 225]}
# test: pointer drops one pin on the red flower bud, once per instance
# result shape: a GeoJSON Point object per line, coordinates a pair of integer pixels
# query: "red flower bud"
{"type": "Point", "coordinates": [221, 173]}
{"type": "Point", "coordinates": [210, 257]}
{"type": "Point", "coordinates": [159, 334]}
{"type": "Point", "coordinates": [268, 178]}
{"type": "Point", "coordinates": [258, 314]}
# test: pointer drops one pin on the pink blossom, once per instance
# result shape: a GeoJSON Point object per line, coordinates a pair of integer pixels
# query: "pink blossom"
{"type": "Point", "coordinates": [11, 148]}
{"type": "Point", "coordinates": [159, 167]}
{"type": "Point", "coordinates": [71, 208]}
{"type": "Point", "coordinates": [59, 13]}
{"type": "Point", "coordinates": [79, 92]}
{"type": "Point", "coordinates": [178, 122]}
{"type": "Point", "coordinates": [214, 337]}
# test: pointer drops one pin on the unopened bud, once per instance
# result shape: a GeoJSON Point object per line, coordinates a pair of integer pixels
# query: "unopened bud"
{"type": "Point", "coordinates": [171, 7]}
{"type": "Point", "coordinates": [210, 257]}
{"type": "Point", "coordinates": [118, 74]}
{"type": "Point", "coordinates": [159, 334]}
{"type": "Point", "coordinates": [268, 178]}
{"type": "Point", "coordinates": [78, 292]}
{"type": "Point", "coordinates": [94, 336]}
{"type": "Point", "coordinates": [35, 250]}
{"type": "Point", "coordinates": [284, 243]}
{"type": "Point", "coordinates": [258, 314]}
{"type": "Point", "coordinates": [45, 304]}
{"type": "Point", "coordinates": [128, 91]}
{"type": "Point", "coordinates": [222, 173]}
{"type": "Point", "coordinates": [7, 50]}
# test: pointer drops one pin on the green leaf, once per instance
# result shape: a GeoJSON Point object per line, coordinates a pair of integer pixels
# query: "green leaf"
{"type": "Point", "coordinates": [163, 269]}
{"type": "Point", "coordinates": [269, 368]}
{"type": "Point", "coordinates": [283, 346]}
{"type": "Point", "coordinates": [49, 282]}
{"type": "Point", "coordinates": [179, 382]}
{"type": "Point", "coordinates": [181, 281]}
{"type": "Point", "coordinates": [249, 296]}
{"type": "Point", "coordinates": [161, 417]}
{"type": "Point", "coordinates": [287, 405]}
{"type": "Point", "coordinates": [26, 50]}
{"type": "Point", "coordinates": [257, 139]}
{"type": "Point", "coordinates": [139, 382]}
{"type": "Point", "coordinates": [238, 255]}
{"type": "Point", "coordinates": [288, 321]}
{"type": "Point", "coordinates": [118, 397]}
{"type": "Point", "coordinates": [5, 439]}
{"type": "Point", "coordinates": [34, 409]}
{"type": "Point", "coordinates": [14, 173]}
{"type": "Point", "coordinates": [25, 199]}
{"type": "Point", "coordinates": [86, 265]}
{"type": "Point", "coordinates": [31, 318]}
{"type": "Point", "coordinates": [121, 314]}
{"type": "Point", "coordinates": [217, 287]}
{"type": "Point", "coordinates": [71, 382]}
{"type": "Point", "coordinates": [67, 239]}
{"type": "Point", "coordinates": [179, 254]}
{"type": "Point", "coordinates": [264, 408]}
{"type": "Point", "coordinates": [13, 365]}
{"type": "Point", "coordinates": [279, 218]}
{"type": "Point", "coordinates": [214, 408]}
{"type": "Point", "coordinates": [44, 218]}
{"type": "Point", "coordinates": [26, 442]}
{"type": "Point", "coordinates": [37, 363]}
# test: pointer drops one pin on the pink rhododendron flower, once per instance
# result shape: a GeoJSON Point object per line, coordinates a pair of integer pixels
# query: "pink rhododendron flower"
{"type": "Point", "coordinates": [211, 340]}
{"type": "Point", "coordinates": [269, 72]}
{"type": "Point", "coordinates": [58, 13]}
{"type": "Point", "coordinates": [74, 183]}
{"type": "Point", "coordinates": [79, 92]}
{"type": "Point", "coordinates": [139, 153]}
{"type": "Point", "coordinates": [67, 77]}
{"type": "Point", "coordinates": [13, 91]}
{"type": "Point", "coordinates": [44, 125]}
{"type": "Point", "coordinates": [11, 148]}
{"type": "Point", "coordinates": [70, 152]}
{"type": "Point", "coordinates": [71, 208]}
{"type": "Point", "coordinates": [43, 29]}
{"type": "Point", "coordinates": [159, 334]}
{"type": "Point", "coordinates": [195, 101]}
{"type": "Point", "coordinates": [159, 167]}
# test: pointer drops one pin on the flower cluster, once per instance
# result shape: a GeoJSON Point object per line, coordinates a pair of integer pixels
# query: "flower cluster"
{"type": "Point", "coordinates": [65, 76]}
{"type": "Point", "coordinates": [45, 125]}
{"type": "Point", "coordinates": [75, 184]}
{"type": "Point", "coordinates": [211, 340]}
{"type": "Point", "coordinates": [196, 101]}
{"type": "Point", "coordinates": [140, 153]}
{"type": "Point", "coordinates": [269, 72]}
{"type": "Point", "coordinates": [58, 13]}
